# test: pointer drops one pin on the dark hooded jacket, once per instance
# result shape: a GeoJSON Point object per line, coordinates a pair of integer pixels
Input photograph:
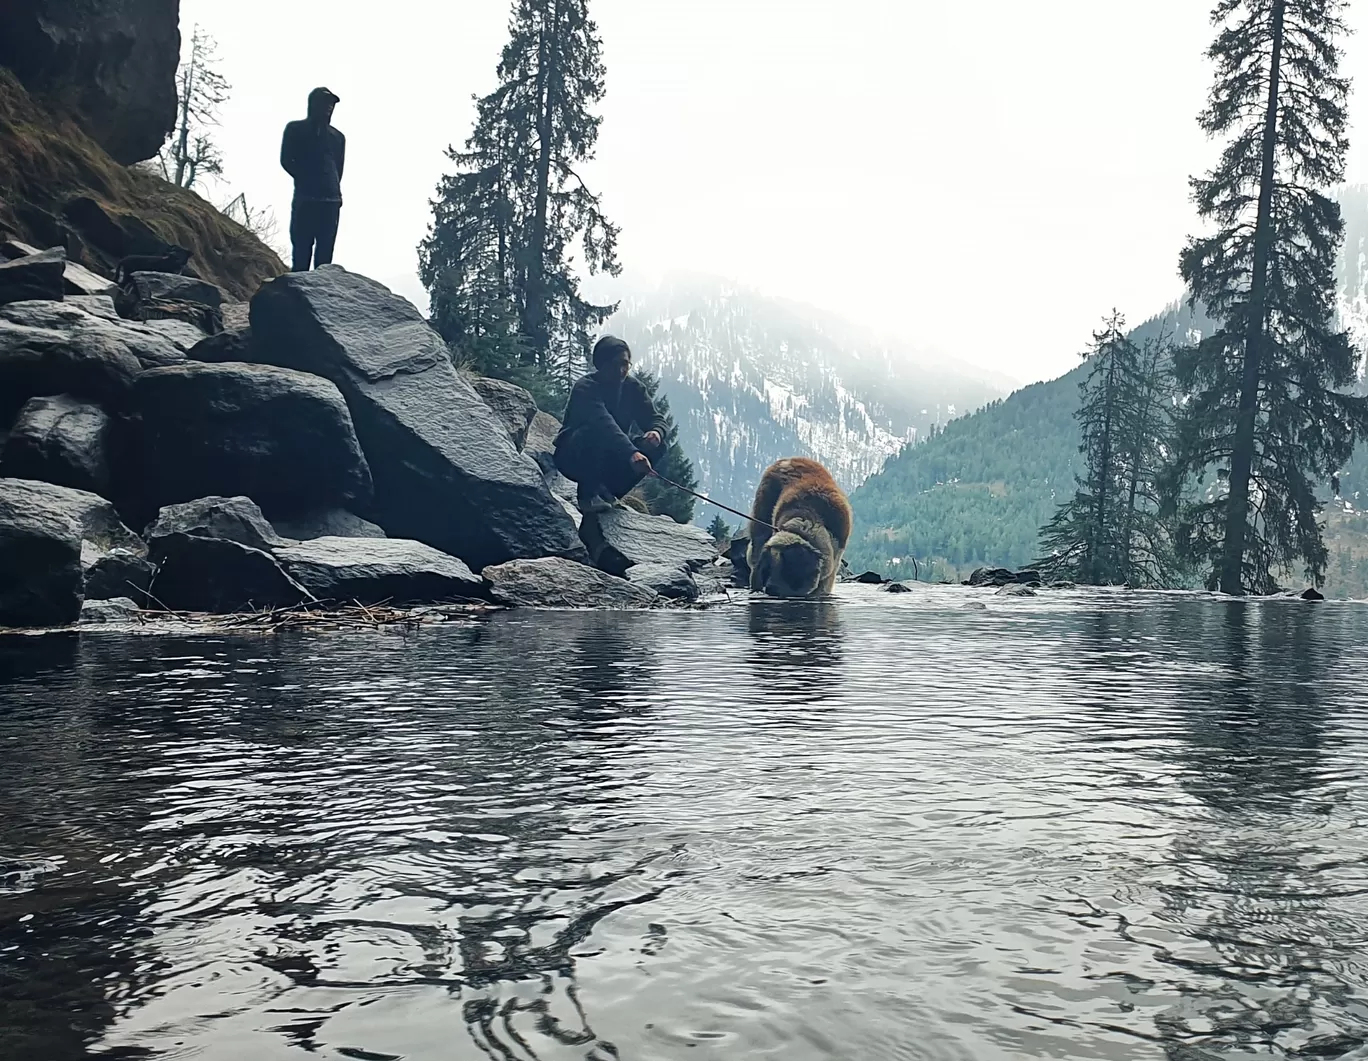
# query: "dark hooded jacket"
{"type": "Point", "coordinates": [313, 153]}
{"type": "Point", "coordinates": [608, 411]}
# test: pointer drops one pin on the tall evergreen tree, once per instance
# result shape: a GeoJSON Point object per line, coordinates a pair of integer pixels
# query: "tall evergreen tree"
{"type": "Point", "coordinates": [496, 260]}
{"type": "Point", "coordinates": [1265, 395]}
{"type": "Point", "coordinates": [721, 533]}
{"type": "Point", "coordinates": [661, 499]}
{"type": "Point", "coordinates": [1109, 532]}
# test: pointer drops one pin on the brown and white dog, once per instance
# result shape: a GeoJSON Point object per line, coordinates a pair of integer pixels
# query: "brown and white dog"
{"type": "Point", "coordinates": [802, 557]}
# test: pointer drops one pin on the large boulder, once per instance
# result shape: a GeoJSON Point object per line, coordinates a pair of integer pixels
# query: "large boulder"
{"type": "Point", "coordinates": [236, 519]}
{"type": "Point", "coordinates": [110, 62]}
{"type": "Point", "coordinates": [620, 538]}
{"type": "Point", "coordinates": [116, 572]}
{"type": "Point", "coordinates": [40, 564]}
{"type": "Point", "coordinates": [152, 286]}
{"type": "Point", "coordinates": [217, 575]}
{"type": "Point", "coordinates": [60, 348]}
{"type": "Point", "coordinates": [446, 472]}
{"type": "Point", "coordinates": [77, 280]}
{"type": "Point", "coordinates": [325, 523]}
{"type": "Point", "coordinates": [113, 610]}
{"type": "Point", "coordinates": [512, 405]}
{"type": "Point", "coordinates": [280, 437]}
{"type": "Point", "coordinates": [60, 440]}
{"type": "Point", "coordinates": [555, 582]}
{"type": "Point", "coordinates": [371, 570]}
{"type": "Point", "coordinates": [48, 526]}
{"type": "Point", "coordinates": [37, 276]}
{"type": "Point", "coordinates": [540, 443]}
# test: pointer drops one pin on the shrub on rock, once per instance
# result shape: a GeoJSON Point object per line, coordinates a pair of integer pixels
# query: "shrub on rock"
{"type": "Point", "coordinates": [446, 472]}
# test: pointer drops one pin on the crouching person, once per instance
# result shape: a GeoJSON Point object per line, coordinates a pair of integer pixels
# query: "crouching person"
{"type": "Point", "coordinates": [597, 447]}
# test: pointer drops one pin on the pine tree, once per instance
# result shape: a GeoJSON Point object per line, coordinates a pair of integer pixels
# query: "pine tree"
{"type": "Point", "coordinates": [675, 465]}
{"type": "Point", "coordinates": [497, 257]}
{"type": "Point", "coordinates": [721, 533]}
{"type": "Point", "coordinates": [1266, 399]}
{"type": "Point", "coordinates": [1110, 532]}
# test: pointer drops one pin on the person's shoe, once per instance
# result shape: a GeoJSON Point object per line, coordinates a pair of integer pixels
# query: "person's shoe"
{"type": "Point", "coordinates": [590, 498]}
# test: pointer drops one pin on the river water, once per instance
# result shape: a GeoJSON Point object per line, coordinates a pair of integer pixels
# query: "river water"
{"type": "Point", "coordinates": [1083, 825]}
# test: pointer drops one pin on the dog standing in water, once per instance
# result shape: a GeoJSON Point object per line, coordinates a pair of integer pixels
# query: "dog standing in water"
{"type": "Point", "coordinates": [802, 557]}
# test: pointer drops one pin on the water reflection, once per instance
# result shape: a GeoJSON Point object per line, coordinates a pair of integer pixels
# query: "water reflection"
{"type": "Point", "coordinates": [1083, 831]}
{"type": "Point", "coordinates": [797, 650]}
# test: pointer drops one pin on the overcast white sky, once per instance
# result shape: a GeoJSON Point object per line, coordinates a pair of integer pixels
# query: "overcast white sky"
{"type": "Point", "coordinates": [984, 178]}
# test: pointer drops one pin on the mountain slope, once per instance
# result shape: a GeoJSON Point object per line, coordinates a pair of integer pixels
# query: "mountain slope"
{"type": "Point", "coordinates": [751, 379]}
{"type": "Point", "coordinates": [978, 492]}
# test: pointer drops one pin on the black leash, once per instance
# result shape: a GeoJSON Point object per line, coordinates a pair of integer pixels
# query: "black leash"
{"type": "Point", "coordinates": [725, 508]}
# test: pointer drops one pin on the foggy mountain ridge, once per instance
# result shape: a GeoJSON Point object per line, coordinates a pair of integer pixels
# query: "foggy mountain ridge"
{"type": "Point", "coordinates": [751, 378]}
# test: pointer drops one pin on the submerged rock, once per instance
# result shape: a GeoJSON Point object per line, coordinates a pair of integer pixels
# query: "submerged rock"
{"type": "Point", "coordinates": [1016, 590]}
{"type": "Point", "coordinates": [446, 473]}
{"type": "Point", "coordinates": [61, 440]}
{"type": "Point", "coordinates": [37, 276]}
{"type": "Point", "coordinates": [1312, 594]}
{"type": "Point", "coordinates": [372, 571]}
{"type": "Point", "coordinates": [897, 587]}
{"type": "Point", "coordinates": [870, 578]}
{"type": "Point", "coordinates": [112, 610]}
{"type": "Point", "coordinates": [283, 438]}
{"type": "Point", "coordinates": [620, 538]}
{"type": "Point", "coordinates": [512, 405]}
{"type": "Point", "coordinates": [672, 581]}
{"type": "Point", "coordinates": [236, 519]}
{"type": "Point", "coordinates": [990, 576]}
{"type": "Point", "coordinates": [326, 523]}
{"type": "Point", "coordinates": [555, 582]}
{"type": "Point", "coordinates": [220, 576]}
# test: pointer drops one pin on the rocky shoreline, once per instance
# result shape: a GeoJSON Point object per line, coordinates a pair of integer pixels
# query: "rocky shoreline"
{"type": "Point", "coordinates": [314, 445]}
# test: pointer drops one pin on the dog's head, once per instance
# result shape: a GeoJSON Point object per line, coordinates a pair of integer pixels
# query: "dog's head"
{"type": "Point", "coordinates": [789, 566]}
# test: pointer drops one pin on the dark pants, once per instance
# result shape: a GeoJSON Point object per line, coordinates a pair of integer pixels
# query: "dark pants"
{"type": "Point", "coordinates": [313, 231]}
{"type": "Point", "coordinates": [596, 462]}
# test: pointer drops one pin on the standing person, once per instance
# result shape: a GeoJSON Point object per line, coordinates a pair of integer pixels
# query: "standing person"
{"type": "Point", "coordinates": [595, 448]}
{"type": "Point", "coordinates": [312, 152]}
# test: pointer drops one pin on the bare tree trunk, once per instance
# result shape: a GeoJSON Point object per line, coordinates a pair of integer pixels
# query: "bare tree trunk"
{"type": "Point", "coordinates": [1242, 451]}
{"type": "Point", "coordinates": [536, 321]}
{"type": "Point", "coordinates": [183, 136]}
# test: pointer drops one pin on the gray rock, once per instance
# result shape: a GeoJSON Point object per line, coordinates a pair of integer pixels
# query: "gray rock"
{"type": "Point", "coordinates": [897, 587]}
{"type": "Point", "coordinates": [183, 335]}
{"type": "Point", "coordinates": [38, 276]}
{"type": "Point", "coordinates": [976, 606]}
{"type": "Point", "coordinates": [326, 523]}
{"type": "Point", "coordinates": [674, 582]}
{"type": "Point", "coordinates": [446, 472]}
{"type": "Point", "coordinates": [112, 610]}
{"type": "Point", "coordinates": [95, 305]}
{"type": "Point", "coordinates": [225, 346]}
{"type": "Point", "coordinates": [1016, 590]}
{"type": "Point", "coordinates": [236, 519]}
{"type": "Point", "coordinates": [178, 288]}
{"type": "Point", "coordinates": [113, 61]}
{"type": "Point", "coordinates": [219, 576]}
{"type": "Point", "coordinates": [621, 537]}
{"type": "Point", "coordinates": [555, 582]}
{"type": "Point", "coordinates": [44, 531]}
{"type": "Point", "coordinates": [990, 576]}
{"type": "Point", "coordinates": [116, 573]}
{"type": "Point", "coordinates": [869, 578]}
{"type": "Point", "coordinates": [373, 570]}
{"type": "Point", "coordinates": [512, 405]}
{"type": "Point", "coordinates": [540, 445]}
{"type": "Point", "coordinates": [283, 438]}
{"type": "Point", "coordinates": [40, 564]}
{"type": "Point", "coordinates": [60, 348]}
{"type": "Point", "coordinates": [59, 440]}
{"type": "Point", "coordinates": [81, 281]}
{"type": "Point", "coordinates": [13, 248]}
{"type": "Point", "coordinates": [735, 552]}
